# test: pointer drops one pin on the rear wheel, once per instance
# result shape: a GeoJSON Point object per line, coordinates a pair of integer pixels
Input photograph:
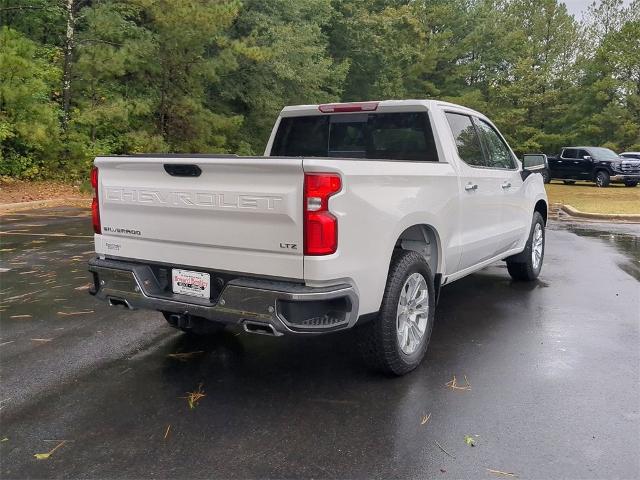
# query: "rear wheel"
{"type": "Point", "coordinates": [396, 341]}
{"type": "Point", "coordinates": [526, 266]}
{"type": "Point", "coordinates": [193, 325]}
{"type": "Point", "coordinates": [631, 184]}
{"type": "Point", "coordinates": [602, 179]}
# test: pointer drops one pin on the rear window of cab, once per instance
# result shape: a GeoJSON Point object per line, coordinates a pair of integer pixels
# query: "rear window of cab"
{"type": "Point", "coordinates": [384, 136]}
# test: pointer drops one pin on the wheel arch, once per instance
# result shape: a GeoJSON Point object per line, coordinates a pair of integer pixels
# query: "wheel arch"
{"type": "Point", "coordinates": [543, 209]}
{"type": "Point", "coordinates": [424, 239]}
{"type": "Point", "coordinates": [600, 169]}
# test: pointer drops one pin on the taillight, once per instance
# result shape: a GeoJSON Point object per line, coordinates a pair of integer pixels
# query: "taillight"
{"type": "Point", "coordinates": [95, 206]}
{"type": "Point", "coordinates": [320, 226]}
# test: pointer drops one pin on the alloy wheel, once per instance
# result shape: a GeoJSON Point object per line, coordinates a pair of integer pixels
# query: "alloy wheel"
{"type": "Point", "coordinates": [412, 313]}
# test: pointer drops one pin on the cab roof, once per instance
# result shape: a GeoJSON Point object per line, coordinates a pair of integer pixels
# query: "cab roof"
{"type": "Point", "coordinates": [387, 106]}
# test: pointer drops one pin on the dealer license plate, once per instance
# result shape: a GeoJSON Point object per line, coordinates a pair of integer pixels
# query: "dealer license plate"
{"type": "Point", "coordinates": [186, 282]}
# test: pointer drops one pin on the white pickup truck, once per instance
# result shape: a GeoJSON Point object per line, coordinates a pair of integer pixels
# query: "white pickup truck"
{"type": "Point", "coordinates": [356, 215]}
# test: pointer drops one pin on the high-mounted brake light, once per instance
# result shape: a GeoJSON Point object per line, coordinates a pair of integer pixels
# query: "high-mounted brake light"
{"type": "Point", "coordinates": [348, 107]}
{"type": "Point", "coordinates": [320, 226]}
{"type": "Point", "coordinates": [95, 206]}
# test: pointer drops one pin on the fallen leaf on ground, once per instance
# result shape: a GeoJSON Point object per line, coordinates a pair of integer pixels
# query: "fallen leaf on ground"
{"type": "Point", "coordinates": [7, 343]}
{"type": "Point", "coordinates": [166, 433]}
{"type": "Point", "coordinates": [41, 339]}
{"type": "Point", "coordinates": [20, 316]}
{"type": "Point", "coordinates": [194, 397]}
{"type": "Point", "coordinates": [498, 472]}
{"type": "Point", "coordinates": [83, 287]}
{"type": "Point", "coordinates": [183, 357]}
{"type": "Point", "coordinates": [44, 456]}
{"type": "Point", "coordinates": [453, 384]}
{"type": "Point", "coordinates": [425, 419]}
{"type": "Point", "coordinates": [75, 313]}
{"type": "Point", "coordinates": [468, 439]}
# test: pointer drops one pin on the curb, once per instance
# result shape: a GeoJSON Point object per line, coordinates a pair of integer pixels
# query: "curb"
{"type": "Point", "coordinates": [54, 202]}
{"type": "Point", "coordinates": [623, 217]}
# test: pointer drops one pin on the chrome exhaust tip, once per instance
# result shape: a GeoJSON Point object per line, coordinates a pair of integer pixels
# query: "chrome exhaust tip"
{"type": "Point", "coordinates": [260, 328]}
{"type": "Point", "coordinates": [119, 302]}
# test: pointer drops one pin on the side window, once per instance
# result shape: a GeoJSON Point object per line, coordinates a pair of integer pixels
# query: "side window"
{"type": "Point", "coordinates": [582, 154]}
{"type": "Point", "coordinates": [497, 151]}
{"type": "Point", "coordinates": [467, 140]}
{"type": "Point", "coordinates": [569, 153]}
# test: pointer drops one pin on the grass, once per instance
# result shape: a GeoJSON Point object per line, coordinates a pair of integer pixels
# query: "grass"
{"type": "Point", "coordinates": [586, 197]}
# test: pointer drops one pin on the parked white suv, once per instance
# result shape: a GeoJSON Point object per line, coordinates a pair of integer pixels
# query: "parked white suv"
{"type": "Point", "coordinates": [357, 214]}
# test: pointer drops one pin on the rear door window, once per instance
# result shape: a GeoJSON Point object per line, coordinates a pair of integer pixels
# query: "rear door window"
{"type": "Point", "coordinates": [466, 138]}
{"type": "Point", "coordinates": [569, 153]}
{"type": "Point", "coordinates": [387, 136]}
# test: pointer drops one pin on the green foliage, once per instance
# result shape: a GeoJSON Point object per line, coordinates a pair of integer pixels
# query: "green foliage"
{"type": "Point", "coordinates": [211, 76]}
{"type": "Point", "coordinates": [29, 127]}
{"type": "Point", "coordinates": [281, 54]}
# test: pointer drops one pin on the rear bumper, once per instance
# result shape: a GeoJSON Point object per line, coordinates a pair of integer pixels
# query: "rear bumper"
{"type": "Point", "coordinates": [287, 307]}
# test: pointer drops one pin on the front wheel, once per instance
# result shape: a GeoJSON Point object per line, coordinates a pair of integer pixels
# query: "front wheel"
{"type": "Point", "coordinates": [602, 179]}
{"type": "Point", "coordinates": [631, 184]}
{"type": "Point", "coordinates": [526, 266]}
{"type": "Point", "coordinates": [396, 341]}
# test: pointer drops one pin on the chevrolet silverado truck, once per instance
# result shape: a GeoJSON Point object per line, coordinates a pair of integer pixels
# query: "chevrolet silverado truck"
{"type": "Point", "coordinates": [595, 164]}
{"type": "Point", "coordinates": [356, 216]}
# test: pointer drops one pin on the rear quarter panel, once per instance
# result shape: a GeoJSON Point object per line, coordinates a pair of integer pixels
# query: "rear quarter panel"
{"type": "Point", "coordinates": [378, 201]}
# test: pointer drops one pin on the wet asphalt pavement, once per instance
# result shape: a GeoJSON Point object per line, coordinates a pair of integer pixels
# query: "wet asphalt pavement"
{"type": "Point", "coordinates": [553, 368]}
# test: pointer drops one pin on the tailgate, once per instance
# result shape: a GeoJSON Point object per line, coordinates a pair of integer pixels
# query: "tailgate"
{"type": "Point", "coordinates": [239, 214]}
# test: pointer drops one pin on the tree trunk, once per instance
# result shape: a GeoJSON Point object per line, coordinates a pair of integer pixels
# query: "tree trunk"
{"type": "Point", "coordinates": [66, 67]}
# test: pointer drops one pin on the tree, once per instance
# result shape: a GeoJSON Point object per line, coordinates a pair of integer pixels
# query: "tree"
{"type": "Point", "coordinates": [281, 54]}
{"type": "Point", "coordinates": [29, 128]}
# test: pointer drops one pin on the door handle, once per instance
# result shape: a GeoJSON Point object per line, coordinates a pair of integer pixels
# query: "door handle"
{"type": "Point", "coordinates": [471, 186]}
{"type": "Point", "coordinates": [506, 185]}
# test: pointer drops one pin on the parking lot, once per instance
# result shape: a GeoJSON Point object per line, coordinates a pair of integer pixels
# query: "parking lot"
{"type": "Point", "coordinates": [553, 372]}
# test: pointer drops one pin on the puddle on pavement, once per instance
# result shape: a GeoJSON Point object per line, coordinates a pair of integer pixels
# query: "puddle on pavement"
{"type": "Point", "coordinates": [628, 244]}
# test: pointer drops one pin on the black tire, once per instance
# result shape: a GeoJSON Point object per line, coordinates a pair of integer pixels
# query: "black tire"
{"type": "Point", "coordinates": [378, 339]}
{"type": "Point", "coordinates": [546, 177]}
{"type": "Point", "coordinates": [631, 184]}
{"type": "Point", "coordinates": [602, 179]}
{"type": "Point", "coordinates": [193, 325]}
{"type": "Point", "coordinates": [521, 266]}
{"type": "Point", "coordinates": [569, 182]}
